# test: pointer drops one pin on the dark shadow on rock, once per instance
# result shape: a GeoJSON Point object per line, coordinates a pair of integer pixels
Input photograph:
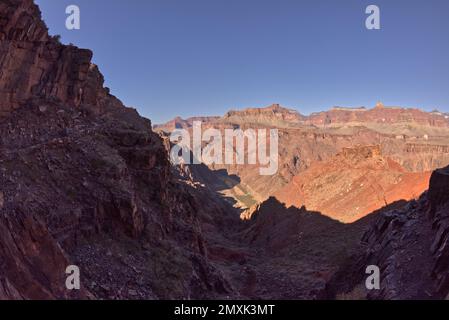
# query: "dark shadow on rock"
{"type": "Point", "coordinates": [216, 180]}
{"type": "Point", "coordinates": [324, 247]}
{"type": "Point", "coordinates": [355, 264]}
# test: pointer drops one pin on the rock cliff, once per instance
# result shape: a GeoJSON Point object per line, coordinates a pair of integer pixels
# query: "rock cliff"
{"type": "Point", "coordinates": [37, 67]}
{"type": "Point", "coordinates": [409, 245]}
{"type": "Point", "coordinates": [85, 181]}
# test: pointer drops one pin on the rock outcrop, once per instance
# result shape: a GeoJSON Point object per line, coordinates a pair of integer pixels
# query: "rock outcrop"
{"type": "Point", "coordinates": [299, 250]}
{"type": "Point", "coordinates": [85, 181]}
{"type": "Point", "coordinates": [380, 114]}
{"type": "Point", "coordinates": [352, 184]}
{"type": "Point", "coordinates": [409, 245]}
{"type": "Point", "coordinates": [36, 66]}
{"type": "Point", "coordinates": [439, 215]}
{"type": "Point", "coordinates": [274, 115]}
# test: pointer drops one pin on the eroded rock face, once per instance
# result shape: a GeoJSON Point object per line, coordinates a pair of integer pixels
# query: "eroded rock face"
{"type": "Point", "coordinates": [439, 212]}
{"type": "Point", "coordinates": [85, 181]}
{"type": "Point", "coordinates": [299, 250]}
{"type": "Point", "coordinates": [410, 246]}
{"type": "Point", "coordinates": [352, 184]}
{"type": "Point", "coordinates": [35, 65]}
{"type": "Point", "coordinates": [380, 114]}
{"type": "Point", "coordinates": [439, 185]}
{"type": "Point", "coordinates": [21, 21]}
{"type": "Point", "coordinates": [32, 263]}
{"type": "Point", "coordinates": [415, 139]}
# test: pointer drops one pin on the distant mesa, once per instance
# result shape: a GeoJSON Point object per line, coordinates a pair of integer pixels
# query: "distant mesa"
{"type": "Point", "coordinates": [338, 108]}
{"type": "Point", "coordinates": [276, 115]}
{"type": "Point", "coordinates": [272, 109]}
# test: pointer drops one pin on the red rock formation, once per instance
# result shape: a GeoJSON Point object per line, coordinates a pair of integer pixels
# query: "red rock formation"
{"type": "Point", "coordinates": [380, 114]}
{"type": "Point", "coordinates": [277, 115]}
{"type": "Point", "coordinates": [85, 181]}
{"type": "Point", "coordinates": [416, 140]}
{"type": "Point", "coordinates": [409, 245]}
{"type": "Point", "coordinates": [274, 115]}
{"type": "Point", "coordinates": [36, 66]}
{"type": "Point", "coordinates": [354, 183]}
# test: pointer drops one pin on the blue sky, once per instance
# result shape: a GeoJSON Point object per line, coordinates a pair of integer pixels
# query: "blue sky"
{"type": "Point", "coordinates": [204, 57]}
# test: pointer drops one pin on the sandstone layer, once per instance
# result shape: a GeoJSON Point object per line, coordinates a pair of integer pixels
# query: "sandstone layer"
{"type": "Point", "coordinates": [352, 184]}
{"type": "Point", "coordinates": [414, 139]}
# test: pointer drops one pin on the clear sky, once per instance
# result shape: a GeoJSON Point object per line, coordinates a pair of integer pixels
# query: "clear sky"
{"type": "Point", "coordinates": [204, 57]}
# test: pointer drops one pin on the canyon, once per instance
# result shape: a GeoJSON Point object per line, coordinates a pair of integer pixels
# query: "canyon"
{"type": "Point", "coordinates": [413, 139]}
{"type": "Point", "coordinates": [87, 181]}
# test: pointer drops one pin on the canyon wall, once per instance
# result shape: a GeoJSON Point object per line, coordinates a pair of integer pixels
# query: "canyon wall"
{"type": "Point", "coordinates": [85, 181]}
{"type": "Point", "coordinates": [410, 245]}
{"type": "Point", "coordinates": [36, 67]}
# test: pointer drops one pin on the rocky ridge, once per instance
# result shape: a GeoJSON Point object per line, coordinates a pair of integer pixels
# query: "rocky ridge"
{"type": "Point", "coordinates": [85, 181]}
{"type": "Point", "coordinates": [37, 67]}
